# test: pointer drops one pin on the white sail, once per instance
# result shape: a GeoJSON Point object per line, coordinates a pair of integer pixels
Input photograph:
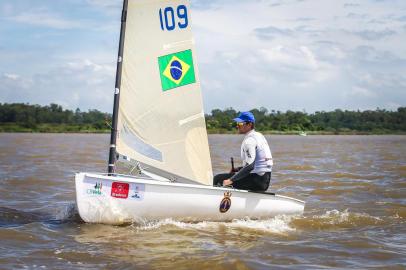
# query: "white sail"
{"type": "Point", "coordinates": [161, 119]}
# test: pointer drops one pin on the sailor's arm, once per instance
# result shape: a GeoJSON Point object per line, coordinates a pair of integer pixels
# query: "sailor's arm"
{"type": "Point", "coordinates": [243, 172]}
{"type": "Point", "coordinates": [249, 164]}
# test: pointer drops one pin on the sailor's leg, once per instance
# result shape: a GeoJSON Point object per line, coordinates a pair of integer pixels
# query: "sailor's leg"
{"type": "Point", "coordinates": [254, 182]}
{"type": "Point", "coordinates": [263, 181]}
{"type": "Point", "coordinates": [219, 178]}
{"type": "Point", "coordinates": [246, 183]}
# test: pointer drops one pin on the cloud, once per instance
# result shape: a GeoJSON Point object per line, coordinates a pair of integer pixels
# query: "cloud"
{"type": "Point", "coordinates": [357, 16]}
{"type": "Point", "coordinates": [294, 58]}
{"type": "Point", "coordinates": [350, 5]}
{"type": "Point", "coordinates": [260, 78]}
{"type": "Point", "coordinates": [363, 92]}
{"type": "Point", "coordinates": [205, 5]}
{"type": "Point", "coordinates": [402, 19]}
{"type": "Point", "coordinates": [83, 84]}
{"type": "Point", "coordinates": [108, 7]}
{"type": "Point", "coordinates": [376, 21]}
{"type": "Point", "coordinates": [380, 80]}
{"type": "Point", "coordinates": [317, 55]}
{"type": "Point", "coordinates": [374, 35]}
{"type": "Point", "coordinates": [13, 77]}
{"type": "Point", "coordinates": [13, 88]}
{"type": "Point", "coordinates": [271, 32]}
{"type": "Point", "coordinates": [106, 3]}
{"type": "Point", "coordinates": [367, 56]}
{"type": "Point", "coordinates": [376, 77]}
{"type": "Point", "coordinates": [45, 18]}
{"type": "Point", "coordinates": [305, 19]}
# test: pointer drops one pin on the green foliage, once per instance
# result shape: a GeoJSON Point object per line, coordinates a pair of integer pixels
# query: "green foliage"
{"type": "Point", "coordinates": [19, 117]}
{"type": "Point", "coordinates": [338, 121]}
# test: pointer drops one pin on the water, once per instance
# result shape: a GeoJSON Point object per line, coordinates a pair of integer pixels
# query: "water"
{"type": "Point", "coordinates": [355, 215]}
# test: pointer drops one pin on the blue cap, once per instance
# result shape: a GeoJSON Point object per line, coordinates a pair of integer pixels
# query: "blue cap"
{"type": "Point", "coordinates": [245, 117]}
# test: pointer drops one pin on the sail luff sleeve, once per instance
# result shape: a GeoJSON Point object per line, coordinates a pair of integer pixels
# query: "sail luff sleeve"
{"type": "Point", "coordinates": [113, 134]}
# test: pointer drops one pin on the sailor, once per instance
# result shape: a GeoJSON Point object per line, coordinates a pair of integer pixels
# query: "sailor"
{"type": "Point", "coordinates": [256, 157]}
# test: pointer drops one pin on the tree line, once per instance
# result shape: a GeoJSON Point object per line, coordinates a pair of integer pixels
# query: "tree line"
{"type": "Point", "coordinates": [50, 118]}
{"type": "Point", "coordinates": [53, 118]}
{"type": "Point", "coordinates": [337, 121]}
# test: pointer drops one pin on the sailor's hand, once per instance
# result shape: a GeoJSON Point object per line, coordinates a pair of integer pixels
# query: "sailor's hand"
{"type": "Point", "coordinates": [227, 182]}
{"type": "Point", "coordinates": [235, 170]}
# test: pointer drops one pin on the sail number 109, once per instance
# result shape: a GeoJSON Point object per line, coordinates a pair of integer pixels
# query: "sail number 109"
{"type": "Point", "coordinates": [169, 19]}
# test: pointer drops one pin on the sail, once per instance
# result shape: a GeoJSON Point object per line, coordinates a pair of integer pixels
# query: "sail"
{"type": "Point", "coordinates": [160, 119]}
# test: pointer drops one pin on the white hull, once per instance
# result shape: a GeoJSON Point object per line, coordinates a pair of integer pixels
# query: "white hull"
{"type": "Point", "coordinates": [125, 199]}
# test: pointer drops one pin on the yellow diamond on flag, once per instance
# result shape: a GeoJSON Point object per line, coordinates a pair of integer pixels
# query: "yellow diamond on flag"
{"type": "Point", "coordinates": [176, 70]}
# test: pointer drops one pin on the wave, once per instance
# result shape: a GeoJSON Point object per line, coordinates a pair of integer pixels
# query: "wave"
{"type": "Point", "coordinates": [330, 220]}
{"type": "Point", "coordinates": [10, 217]}
{"type": "Point", "coordinates": [335, 219]}
{"type": "Point", "coordinates": [297, 168]}
{"type": "Point", "coordinates": [66, 213]}
{"type": "Point", "coordinates": [276, 225]}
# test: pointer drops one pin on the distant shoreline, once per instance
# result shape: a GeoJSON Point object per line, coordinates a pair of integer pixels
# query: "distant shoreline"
{"type": "Point", "coordinates": [50, 128]}
{"type": "Point", "coordinates": [74, 129]}
{"type": "Point", "coordinates": [19, 117]}
{"type": "Point", "coordinates": [310, 133]}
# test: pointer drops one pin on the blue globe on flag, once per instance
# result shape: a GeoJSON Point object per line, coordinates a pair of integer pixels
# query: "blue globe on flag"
{"type": "Point", "coordinates": [176, 70]}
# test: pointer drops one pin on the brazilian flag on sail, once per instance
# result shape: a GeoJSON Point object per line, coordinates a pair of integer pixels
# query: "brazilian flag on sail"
{"type": "Point", "coordinates": [176, 69]}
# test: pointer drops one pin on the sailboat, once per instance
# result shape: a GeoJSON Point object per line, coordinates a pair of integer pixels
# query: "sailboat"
{"type": "Point", "coordinates": [158, 126]}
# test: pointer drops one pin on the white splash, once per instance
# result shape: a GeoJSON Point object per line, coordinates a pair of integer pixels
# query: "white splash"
{"type": "Point", "coordinates": [337, 217]}
{"type": "Point", "coordinates": [278, 225]}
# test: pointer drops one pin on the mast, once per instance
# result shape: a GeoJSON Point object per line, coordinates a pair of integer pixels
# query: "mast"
{"type": "Point", "coordinates": [113, 135]}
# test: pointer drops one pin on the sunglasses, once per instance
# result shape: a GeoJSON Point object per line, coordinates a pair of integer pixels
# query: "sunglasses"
{"type": "Point", "coordinates": [240, 124]}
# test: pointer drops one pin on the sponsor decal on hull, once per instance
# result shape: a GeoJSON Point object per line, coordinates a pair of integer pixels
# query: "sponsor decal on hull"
{"type": "Point", "coordinates": [137, 192]}
{"type": "Point", "coordinates": [96, 190]}
{"type": "Point", "coordinates": [120, 190]}
{"type": "Point", "coordinates": [225, 203]}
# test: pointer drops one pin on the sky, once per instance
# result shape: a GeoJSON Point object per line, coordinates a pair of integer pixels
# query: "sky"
{"type": "Point", "coordinates": [311, 55]}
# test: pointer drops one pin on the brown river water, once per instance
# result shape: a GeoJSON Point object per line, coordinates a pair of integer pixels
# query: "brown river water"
{"type": "Point", "coordinates": [355, 214]}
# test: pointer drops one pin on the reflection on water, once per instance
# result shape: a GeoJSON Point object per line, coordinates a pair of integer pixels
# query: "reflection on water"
{"type": "Point", "coordinates": [354, 188]}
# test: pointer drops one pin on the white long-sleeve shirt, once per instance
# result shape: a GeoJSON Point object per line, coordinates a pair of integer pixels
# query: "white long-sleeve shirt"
{"type": "Point", "coordinates": [255, 154]}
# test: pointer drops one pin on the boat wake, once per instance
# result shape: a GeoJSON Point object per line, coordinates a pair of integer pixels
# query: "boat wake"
{"type": "Point", "coordinates": [335, 219]}
{"type": "Point", "coordinates": [276, 225]}
{"type": "Point", "coordinates": [65, 213]}
{"type": "Point", "coordinates": [329, 220]}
